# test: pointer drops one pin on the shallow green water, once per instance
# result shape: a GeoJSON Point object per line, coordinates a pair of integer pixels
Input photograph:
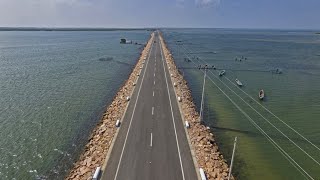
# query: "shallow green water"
{"type": "Point", "coordinates": [292, 96]}
{"type": "Point", "coordinates": [53, 88]}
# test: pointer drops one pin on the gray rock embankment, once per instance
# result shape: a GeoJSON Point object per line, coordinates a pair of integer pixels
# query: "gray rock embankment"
{"type": "Point", "coordinates": [202, 140]}
{"type": "Point", "coordinates": [96, 149]}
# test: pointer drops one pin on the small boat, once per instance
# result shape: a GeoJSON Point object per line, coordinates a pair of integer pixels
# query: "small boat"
{"type": "Point", "coordinates": [239, 83]}
{"type": "Point", "coordinates": [125, 41]}
{"type": "Point", "coordinates": [187, 60]}
{"type": "Point", "coordinates": [278, 71]}
{"type": "Point", "coordinates": [222, 72]}
{"type": "Point", "coordinates": [261, 94]}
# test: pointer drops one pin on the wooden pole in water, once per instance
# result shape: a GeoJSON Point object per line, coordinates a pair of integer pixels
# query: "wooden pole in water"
{"type": "Point", "coordinates": [234, 149]}
{"type": "Point", "coordinates": [178, 50]}
{"type": "Point", "coordinates": [204, 83]}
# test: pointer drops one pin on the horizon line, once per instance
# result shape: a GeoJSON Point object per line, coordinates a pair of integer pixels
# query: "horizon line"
{"type": "Point", "coordinates": [12, 28]}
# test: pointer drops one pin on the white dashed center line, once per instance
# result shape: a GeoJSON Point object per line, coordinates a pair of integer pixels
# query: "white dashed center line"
{"type": "Point", "coordinates": [151, 139]}
{"type": "Point", "coordinates": [152, 110]}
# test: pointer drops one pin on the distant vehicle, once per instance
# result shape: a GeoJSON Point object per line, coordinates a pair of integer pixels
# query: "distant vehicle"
{"type": "Point", "coordinates": [154, 41]}
{"type": "Point", "coordinates": [261, 94]}
{"type": "Point", "coordinates": [222, 72]}
{"type": "Point", "coordinates": [239, 83]}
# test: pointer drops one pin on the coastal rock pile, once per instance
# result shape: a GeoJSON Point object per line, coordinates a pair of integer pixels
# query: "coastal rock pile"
{"type": "Point", "coordinates": [202, 140]}
{"type": "Point", "coordinates": [101, 138]}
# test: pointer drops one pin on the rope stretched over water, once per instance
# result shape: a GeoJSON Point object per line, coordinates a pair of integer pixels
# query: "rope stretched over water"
{"type": "Point", "coordinates": [278, 147]}
{"type": "Point", "coordinates": [262, 115]}
{"type": "Point", "coordinates": [263, 107]}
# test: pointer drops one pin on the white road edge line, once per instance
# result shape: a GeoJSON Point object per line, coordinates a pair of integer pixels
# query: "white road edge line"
{"type": "Point", "coordinates": [125, 141]}
{"type": "Point", "coordinates": [173, 121]}
{"type": "Point", "coordinates": [151, 140]}
{"type": "Point", "coordinates": [152, 110]}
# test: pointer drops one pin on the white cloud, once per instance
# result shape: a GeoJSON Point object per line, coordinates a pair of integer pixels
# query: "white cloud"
{"type": "Point", "coordinates": [44, 12]}
{"type": "Point", "coordinates": [207, 3]}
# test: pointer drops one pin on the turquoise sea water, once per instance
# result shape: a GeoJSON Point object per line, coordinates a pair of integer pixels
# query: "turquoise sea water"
{"type": "Point", "coordinates": [291, 97]}
{"type": "Point", "coordinates": [53, 88]}
{"type": "Point", "coordinates": [55, 85]}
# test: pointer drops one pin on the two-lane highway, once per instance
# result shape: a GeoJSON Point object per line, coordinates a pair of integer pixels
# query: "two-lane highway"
{"type": "Point", "coordinates": [151, 143]}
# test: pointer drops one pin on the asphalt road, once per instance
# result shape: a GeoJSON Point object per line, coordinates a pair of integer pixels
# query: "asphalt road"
{"type": "Point", "coordinates": [152, 142]}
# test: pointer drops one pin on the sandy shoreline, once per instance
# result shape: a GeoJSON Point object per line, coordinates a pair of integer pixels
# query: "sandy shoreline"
{"type": "Point", "coordinates": [202, 141]}
{"type": "Point", "coordinates": [100, 140]}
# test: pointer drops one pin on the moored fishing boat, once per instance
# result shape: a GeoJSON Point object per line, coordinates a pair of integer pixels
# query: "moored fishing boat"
{"type": "Point", "coordinates": [222, 72]}
{"type": "Point", "coordinates": [125, 41]}
{"type": "Point", "coordinates": [239, 83]}
{"type": "Point", "coordinates": [278, 71]}
{"type": "Point", "coordinates": [261, 94]}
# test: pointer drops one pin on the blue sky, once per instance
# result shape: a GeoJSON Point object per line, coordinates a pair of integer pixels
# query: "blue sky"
{"type": "Point", "coordinates": [301, 14]}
